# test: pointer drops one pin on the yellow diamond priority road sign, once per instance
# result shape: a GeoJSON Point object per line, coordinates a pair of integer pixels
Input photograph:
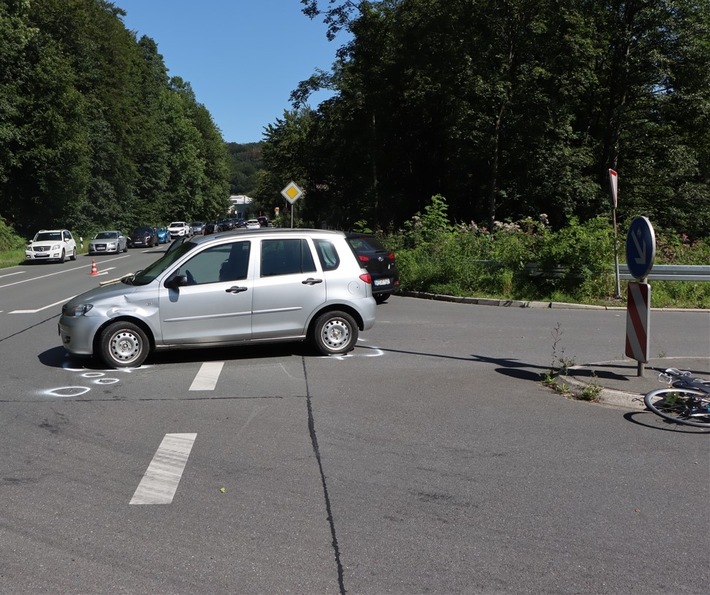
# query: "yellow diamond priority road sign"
{"type": "Point", "coordinates": [292, 192]}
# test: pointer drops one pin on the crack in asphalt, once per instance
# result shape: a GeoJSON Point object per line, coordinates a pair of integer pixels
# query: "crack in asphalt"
{"type": "Point", "coordinates": [324, 483]}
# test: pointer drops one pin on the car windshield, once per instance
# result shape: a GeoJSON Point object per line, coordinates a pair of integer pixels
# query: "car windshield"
{"type": "Point", "coordinates": [106, 235]}
{"type": "Point", "coordinates": [48, 236]}
{"type": "Point", "coordinates": [141, 230]}
{"type": "Point", "coordinates": [149, 274]}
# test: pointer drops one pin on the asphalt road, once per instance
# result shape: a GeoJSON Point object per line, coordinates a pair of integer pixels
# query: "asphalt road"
{"type": "Point", "coordinates": [432, 459]}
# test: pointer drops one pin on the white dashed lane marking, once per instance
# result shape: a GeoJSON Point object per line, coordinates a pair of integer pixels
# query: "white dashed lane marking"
{"type": "Point", "coordinates": [163, 475]}
{"type": "Point", "coordinates": [208, 376]}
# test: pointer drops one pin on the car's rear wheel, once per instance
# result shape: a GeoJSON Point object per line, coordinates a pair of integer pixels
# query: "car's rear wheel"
{"type": "Point", "coordinates": [381, 298]}
{"type": "Point", "coordinates": [123, 345]}
{"type": "Point", "coordinates": [334, 333]}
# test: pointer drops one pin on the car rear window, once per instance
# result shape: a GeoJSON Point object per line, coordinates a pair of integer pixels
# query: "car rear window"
{"type": "Point", "coordinates": [327, 254]}
{"type": "Point", "coordinates": [366, 244]}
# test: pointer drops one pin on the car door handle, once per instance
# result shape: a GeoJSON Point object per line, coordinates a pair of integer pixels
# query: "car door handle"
{"type": "Point", "coordinates": [235, 289]}
{"type": "Point", "coordinates": [312, 281]}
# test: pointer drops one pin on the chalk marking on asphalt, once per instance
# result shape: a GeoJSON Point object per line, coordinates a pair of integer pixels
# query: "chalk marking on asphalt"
{"type": "Point", "coordinates": [208, 376]}
{"type": "Point", "coordinates": [163, 475]}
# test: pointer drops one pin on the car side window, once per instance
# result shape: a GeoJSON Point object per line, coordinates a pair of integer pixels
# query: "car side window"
{"type": "Point", "coordinates": [286, 257]}
{"type": "Point", "coordinates": [206, 267]}
{"type": "Point", "coordinates": [236, 266]}
{"type": "Point", "coordinates": [327, 254]}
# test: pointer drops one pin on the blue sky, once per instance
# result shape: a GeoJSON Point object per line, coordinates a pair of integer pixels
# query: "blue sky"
{"type": "Point", "coordinates": [241, 57]}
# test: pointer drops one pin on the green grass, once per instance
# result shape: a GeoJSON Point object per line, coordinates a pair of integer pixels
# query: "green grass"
{"type": "Point", "coordinates": [11, 258]}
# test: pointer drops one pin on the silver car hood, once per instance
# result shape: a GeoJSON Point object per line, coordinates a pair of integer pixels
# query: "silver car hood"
{"type": "Point", "coordinates": [118, 292]}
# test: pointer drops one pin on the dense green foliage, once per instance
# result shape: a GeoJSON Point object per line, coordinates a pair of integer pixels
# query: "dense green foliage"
{"type": "Point", "coordinates": [527, 260]}
{"type": "Point", "coordinates": [93, 132]}
{"type": "Point", "coordinates": [509, 108]}
{"type": "Point", "coordinates": [245, 163]}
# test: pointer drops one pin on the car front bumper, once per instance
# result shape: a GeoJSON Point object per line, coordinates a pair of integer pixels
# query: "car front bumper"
{"type": "Point", "coordinates": [52, 255]}
{"type": "Point", "coordinates": [77, 333]}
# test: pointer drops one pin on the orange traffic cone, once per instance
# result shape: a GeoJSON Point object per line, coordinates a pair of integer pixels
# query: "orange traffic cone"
{"type": "Point", "coordinates": [94, 272]}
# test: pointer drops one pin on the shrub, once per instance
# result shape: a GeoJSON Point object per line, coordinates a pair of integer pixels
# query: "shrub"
{"type": "Point", "coordinates": [575, 263]}
{"type": "Point", "coordinates": [9, 240]}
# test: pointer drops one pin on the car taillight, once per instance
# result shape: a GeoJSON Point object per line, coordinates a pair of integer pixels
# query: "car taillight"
{"type": "Point", "coordinates": [391, 256]}
{"type": "Point", "coordinates": [363, 258]}
{"type": "Point", "coordinates": [366, 277]}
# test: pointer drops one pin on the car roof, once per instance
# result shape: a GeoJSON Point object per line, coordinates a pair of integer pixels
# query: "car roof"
{"type": "Point", "coordinates": [264, 231]}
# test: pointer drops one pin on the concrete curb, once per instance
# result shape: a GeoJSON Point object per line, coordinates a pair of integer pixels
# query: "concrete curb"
{"type": "Point", "coordinates": [607, 396]}
{"type": "Point", "coordinates": [501, 302]}
{"type": "Point", "coordinates": [526, 304]}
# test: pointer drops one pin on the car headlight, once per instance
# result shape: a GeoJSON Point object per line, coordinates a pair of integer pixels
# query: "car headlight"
{"type": "Point", "coordinates": [79, 310]}
{"type": "Point", "coordinates": [55, 246]}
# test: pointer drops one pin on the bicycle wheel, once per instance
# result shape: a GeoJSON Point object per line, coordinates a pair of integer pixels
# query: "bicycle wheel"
{"type": "Point", "coordinates": [682, 405]}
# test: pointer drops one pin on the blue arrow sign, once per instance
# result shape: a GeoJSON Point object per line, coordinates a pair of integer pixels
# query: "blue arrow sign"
{"type": "Point", "coordinates": [640, 247]}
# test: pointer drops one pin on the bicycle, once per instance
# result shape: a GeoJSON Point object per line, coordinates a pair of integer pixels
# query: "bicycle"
{"type": "Point", "coordinates": [686, 399]}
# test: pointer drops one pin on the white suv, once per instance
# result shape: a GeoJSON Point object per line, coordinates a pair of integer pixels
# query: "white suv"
{"type": "Point", "coordinates": [247, 286]}
{"type": "Point", "coordinates": [179, 229]}
{"type": "Point", "coordinates": [51, 244]}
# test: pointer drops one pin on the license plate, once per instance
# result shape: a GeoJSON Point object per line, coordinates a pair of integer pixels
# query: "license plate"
{"type": "Point", "coordinates": [382, 282]}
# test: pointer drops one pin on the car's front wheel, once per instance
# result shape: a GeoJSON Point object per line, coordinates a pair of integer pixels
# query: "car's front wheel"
{"type": "Point", "coordinates": [334, 333]}
{"type": "Point", "coordinates": [63, 257]}
{"type": "Point", "coordinates": [123, 345]}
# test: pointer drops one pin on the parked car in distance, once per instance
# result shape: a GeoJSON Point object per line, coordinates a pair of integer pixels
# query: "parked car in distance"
{"type": "Point", "coordinates": [196, 227]}
{"type": "Point", "coordinates": [178, 228]}
{"type": "Point", "coordinates": [263, 221]}
{"type": "Point", "coordinates": [211, 227]}
{"type": "Point", "coordinates": [253, 224]}
{"type": "Point", "coordinates": [227, 224]}
{"type": "Point", "coordinates": [163, 235]}
{"type": "Point", "coordinates": [379, 262]}
{"type": "Point", "coordinates": [284, 284]}
{"type": "Point", "coordinates": [51, 244]}
{"type": "Point", "coordinates": [143, 237]}
{"type": "Point", "coordinates": [106, 242]}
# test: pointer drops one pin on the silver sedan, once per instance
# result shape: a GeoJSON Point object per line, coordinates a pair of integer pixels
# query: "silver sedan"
{"type": "Point", "coordinates": [106, 242]}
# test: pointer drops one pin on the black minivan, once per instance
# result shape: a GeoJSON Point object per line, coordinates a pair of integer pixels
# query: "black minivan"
{"type": "Point", "coordinates": [379, 262]}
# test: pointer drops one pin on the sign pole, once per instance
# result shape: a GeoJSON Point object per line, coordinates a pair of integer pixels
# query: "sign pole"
{"type": "Point", "coordinates": [614, 185]}
{"type": "Point", "coordinates": [640, 254]}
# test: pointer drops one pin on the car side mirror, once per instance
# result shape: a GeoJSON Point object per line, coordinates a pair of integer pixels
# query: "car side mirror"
{"type": "Point", "coordinates": [175, 281]}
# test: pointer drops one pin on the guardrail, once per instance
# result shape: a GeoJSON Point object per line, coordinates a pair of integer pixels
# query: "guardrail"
{"type": "Point", "coordinates": [671, 272]}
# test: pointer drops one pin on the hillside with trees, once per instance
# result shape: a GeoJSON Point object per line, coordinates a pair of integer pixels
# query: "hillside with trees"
{"type": "Point", "coordinates": [93, 131]}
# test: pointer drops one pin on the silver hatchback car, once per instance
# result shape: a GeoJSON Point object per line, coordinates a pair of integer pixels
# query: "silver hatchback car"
{"type": "Point", "coordinates": [229, 288]}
